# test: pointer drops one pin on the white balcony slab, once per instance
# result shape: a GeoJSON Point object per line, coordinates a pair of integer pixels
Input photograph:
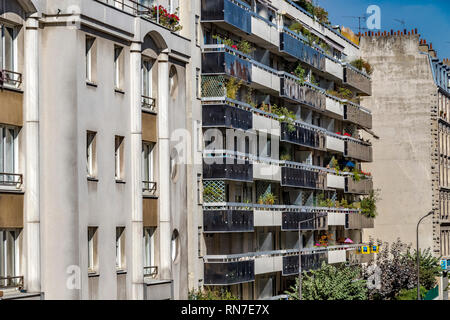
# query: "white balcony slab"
{"type": "Point", "coordinates": [337, 256]}
{"type": "Point", "coordinates": [266, 171]}
{"type": "Point", "coordinates": [268, 264]}
{"type": "Point", "coordinates": [265, 31]}
{"type": "Point", "coordinates": [265, 78]}
{"type": "Point", "coordinates": [335, 144]}
{"type": "Point", "coordinates": [336, 219]}
{"type": "Point", "coordinates": [334, 68]}
{"type": "Point", "coordinates": [267, 218]}
{"type": "Point", "coordinates": [334, 106]}
{"type": "Point", "coordinates": [267, 124]}
{"type": "Point", "coordinates": [335, 182]}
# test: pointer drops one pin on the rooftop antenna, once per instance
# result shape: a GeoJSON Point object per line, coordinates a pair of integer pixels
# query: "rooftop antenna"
{"type": "Point", "coordinates": [360, 18]}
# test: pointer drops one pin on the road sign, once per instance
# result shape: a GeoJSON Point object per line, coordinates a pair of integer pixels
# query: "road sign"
{"type": "Point", "coordinates": [444, 264]}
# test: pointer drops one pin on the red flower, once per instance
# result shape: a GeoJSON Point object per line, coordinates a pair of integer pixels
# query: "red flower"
{"type": "Point", "coordinates": [338, 133]}
{"type": "Point", "coordinates": [234, 46]}
{"type": "Point", "coordinates": [346, 134]}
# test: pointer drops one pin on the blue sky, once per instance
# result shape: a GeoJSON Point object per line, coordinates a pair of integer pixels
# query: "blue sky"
{"type": "Point", "coordinates": [430, 17]}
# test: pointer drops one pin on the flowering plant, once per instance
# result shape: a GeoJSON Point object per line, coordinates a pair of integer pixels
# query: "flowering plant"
{"type": "Point", "coordinates": [166, 19]}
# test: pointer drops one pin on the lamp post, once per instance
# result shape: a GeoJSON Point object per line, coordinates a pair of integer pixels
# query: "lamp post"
{"type": "Point", "coordinates": [418, 255]}
{"type": "Point", "coordinates": [300, 254]}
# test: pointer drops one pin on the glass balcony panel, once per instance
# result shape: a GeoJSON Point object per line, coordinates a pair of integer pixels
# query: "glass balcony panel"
{"type": "Point", "coordinates": [228, 221]}
{"type": "Point", "coordinates": [228, 273]}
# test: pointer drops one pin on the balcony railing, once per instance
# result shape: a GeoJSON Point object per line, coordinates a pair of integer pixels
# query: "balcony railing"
{"type": "Point", "coordinates": [149, 187]}
{"type": "Point", "coordinates": [227, 116]}
{"type": "Point", "coordinates": [294, 45]}
{"type": "Point", "coordinates": [223, 170]}
{"type": "Point", "coordinates": [228, 273]}
{"type": "Point", "coordinates": [11, 282]}
{"type": "Point", "coordinates": [290, 221]}
{"type": "Point", "coordinates": [11, 180]}
{"type": "Point", "coordinates": [358, 150]}
{"type": "Point", "coordinates": [306, 93]}
{"type": "Point", "coordinates": [219, 59]}
{"type": "Point", "coordinates": [358, 221]}
{"type": "Point", "coordinates": [232, 12]}
{"type": "Point", "coordinates": [149, 104]}
{"type": "Point", "coordinates": [356, 114]}
{"type": "Point", "coordinates": [357, 80]}
{"type": "Point", "coordinates": [151, 271]}
{"type": "Point", "coordinates": [303, 135]}
{"type": "Point", "coordinates": [310, 261]}
{"type": "Point", "coordinates": [297, 176]}
{"type": "Point", "coordinates": [228, 220]}
{"type": "Point", "coordinates": [363, 186]}
{"type": "Point", "coordinates": [10, 79]}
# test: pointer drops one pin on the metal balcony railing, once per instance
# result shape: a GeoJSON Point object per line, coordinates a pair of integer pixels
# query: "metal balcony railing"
{"type": "Point", "coordinates": [305, 93]}
{"type": "Point", "coordinates": [10, 79]}
{"type": "Point", "coordinates": [228, 273]}
{"type": "Point", "coordinates": [357, 80]}
{"type": "Point", "coordinates": [303, 135]}
{"type": "Point", "coordinates": [149, 187]}
{"type": "Point", "coordinates": [149, 104]}
{"type": "Point", "coordinates": [314, 221]}
{"type": "Point", "coordinates": [227, 116]}
{"type": "Point", "coordinates": [228, 220]}
{"type": "Point", "coordinates": [220, 59]}
{"type": "Point", "coordinates": [11, 180]}
{"type": "Point", "coordinates": [223, 170]}
{"type": "Point", "coordinates": [232, 12]}
{"type": "Point", "coordinates": [11, 282]}
{"type": "Point", "coordinates": [311, 261]}
{"type": "Point", "coordinates": [151, 271]}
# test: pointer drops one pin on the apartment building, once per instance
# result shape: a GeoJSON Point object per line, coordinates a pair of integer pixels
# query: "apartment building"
{"type": "Point", "coordinates": [282, 124]}
{"type": "Point", "coordinates": [410, 102]}
{"type": "Point", "coordinates": [93, 189]}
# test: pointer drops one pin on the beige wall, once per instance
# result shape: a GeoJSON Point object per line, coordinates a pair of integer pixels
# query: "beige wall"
{"type": "Point", "coordinates": [402, 101]}
{"type": "Point", "coordinates": [11, 210]}
{"type": "Point", "coordinates": [11, 111]}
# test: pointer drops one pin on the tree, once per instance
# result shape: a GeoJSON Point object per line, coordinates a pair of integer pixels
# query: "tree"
{"type": "Point", "coordinates": [394, 269]}
{"type": "Point", "coordinates": [209, 294]}
{"type": "Point", "coordinates": [429, 268]}
{"type": "Point", "coordinates": [331, 283]}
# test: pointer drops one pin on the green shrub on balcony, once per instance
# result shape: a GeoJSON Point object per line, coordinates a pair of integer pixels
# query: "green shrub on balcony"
{"type": "Point", "coordinates": [362, 65]}
{"type": "Point", "coordinates": [209, 294]}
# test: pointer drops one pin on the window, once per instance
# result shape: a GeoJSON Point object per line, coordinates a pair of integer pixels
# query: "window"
{"type": "Point", "coordinates": [9, 256]}
{"type": "Point", "coordinates": [119, 4]}
{"type": "Point", "coordinates": [119, 157]}
{"type": "Point", "coordinates": [197, 84]}
{"type": "Point", "coordinates": [7, 46]}
{"type": "Point", "coordinates": [173, 81]}
{"type": "Point", "coordinates": [120, 248]}
{"type": "Point", "coordinates": [197, 30]}
{"type": "Point", "coordinates": [91, 59]}
{"type": "Point", "coordinates": [147, 89]}
{"type": "Point", "coordinates": [92, 249]}
{"type": "Point", "coordinates": [91, 154]}
{"type": "Point", "coordinates": [118, 67]}
{"type": "Point", "coordinates": [148, 166]}
{"type": "Point", "coordinates": [149, 250]}
{"type": "Point", "coordinates": [8, 154]}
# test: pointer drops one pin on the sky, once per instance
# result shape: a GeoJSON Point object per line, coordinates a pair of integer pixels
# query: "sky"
{"type": "Point", "coordinates": [430, 17]}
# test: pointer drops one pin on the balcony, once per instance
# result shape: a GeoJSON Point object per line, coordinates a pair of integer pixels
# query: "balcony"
{"type": "Point", "coordinates": [11, 180]}
{"type": "Point", "coordinates": [149, 187]}
{"type": "Point", "coordinates": [334, 107]}
{"type": "Point", "coordinates": [355, 114]}
{"type": "Point", "coordinates": [358, 150]}
{"type": "Point", "coordinates": [10, 79]}
{"type": "Point", "coordinates": [363, 186]}
{"type": "Point", "coordinates": [334, 67]}
{"type": "Point", "coordinates": [337, 256]}
{"type": "Point", "coordinates": [227, 171]}
{"type": "Point", "coordinates": [335, 143]}
{"type": "Point", "coordinates": [291, 220]}
{"type": "Point", "coordinates": [311, 261]}
{"type": "Point", "coordinates": [223, 60]}
{"type": "Point", "coordinates": [303, 136]}
{"type": "Point", "coordinates": [296, 176]}
{"type": "Point", "coordinates": [229, 273]}
{"type": "Point", "coordinates": [233, 220]}
{"type": "Point", "coordinates": [226, 116]}
{"type": "Point", "coordinates": [293, 44]}
{"type": "Point", "coordinates": [148, 104]}
{"type": "Point", "coordinates": [264, 77]}
{"type": "Point", "coordinates": [264, 32]}
{"type": "Point", "coordinates": [335, 181]}
{"type": "Point", "coordinates": [357, 80]}
{"type": "Point", "coordinates": [306, 94]}
{"type": "Point", "coordinates": [230, 14]}
{"type": "Point", "coordinates": [358, 221]}
{"type": "Point", "coordinates": [11, 282]}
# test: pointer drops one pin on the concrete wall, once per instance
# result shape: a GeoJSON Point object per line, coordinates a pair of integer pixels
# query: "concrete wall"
{"type": "Point", "coordinates": [401, 104]}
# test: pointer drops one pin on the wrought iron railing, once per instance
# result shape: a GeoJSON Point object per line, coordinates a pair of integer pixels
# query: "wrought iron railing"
{"type": "Point", "coordinates": [151, 271]}
{"type": "Point", "coordinates": [149, 104]}
{"type": "Point", "coordinates": [11, 179]}
{"type": "Point", "coordinates": [149, 187]}
{"type": "Point", "coordinates": [10, 79]}
{"type": "Point", "coordinates": [11, 282]}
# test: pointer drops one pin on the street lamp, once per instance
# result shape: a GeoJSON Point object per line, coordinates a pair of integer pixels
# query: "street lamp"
{"type": "Point", "coordinates": [300, 254]}
{"type": "Point", "coordinates": [418, 255]}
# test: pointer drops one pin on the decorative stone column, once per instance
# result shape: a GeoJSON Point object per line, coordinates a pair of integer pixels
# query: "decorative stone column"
{"type": "Point", "coordinates": [137, 225]}
{"type": "Point", "coordinates": [164, 167]}
{"type": "Point", "coordinates": [31, 178]}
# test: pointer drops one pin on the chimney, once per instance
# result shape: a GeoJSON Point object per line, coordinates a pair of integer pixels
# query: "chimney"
{"type": "Point", "coordinates": [447, 62]}
{"type": "Point", "coordinates": [423, 46]}
{"type": "Point", "coordinates": [432, 52]}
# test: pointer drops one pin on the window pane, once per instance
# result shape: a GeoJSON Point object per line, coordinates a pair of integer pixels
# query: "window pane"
{"type": "Point", "coordinates": [8, 62]}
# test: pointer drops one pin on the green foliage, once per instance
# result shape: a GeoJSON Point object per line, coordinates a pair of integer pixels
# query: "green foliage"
{"type": "Point", "coordinates": [232, 86]}
{"type": "Point", "coordinates": [245, 47]}
{"type": "Point", "coordinates": [362, 65]}
{"type": "Point", "coordinates": [209, 294]}
{"type": "Point", "coordinates": [411, 294]}
{"type": "Point", "coordinates": [226, 41]}
{"type": "Point", "coordinates": [369, 204]}
{"type": "Point", "coordinates": [313, 80]}
{"type": "Point", "coordinates": [300, 73]}
{"type": "Point", "coordinates": [429, 268]}
{"type": "Point", "coordinates": [331, 283]}
{"type": "Point", "coordinates": [285, 115]}
{"type": "Point", "coordinates": [356, 175]}
{"type": "Point", "coordinates": [268, 198]}
{"type": "Point", "coordinates": [242, 46]}
{"type": "Point", "coordinates": [322, 15]}
{"type": "Point", "coordinates": [307, 5]}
